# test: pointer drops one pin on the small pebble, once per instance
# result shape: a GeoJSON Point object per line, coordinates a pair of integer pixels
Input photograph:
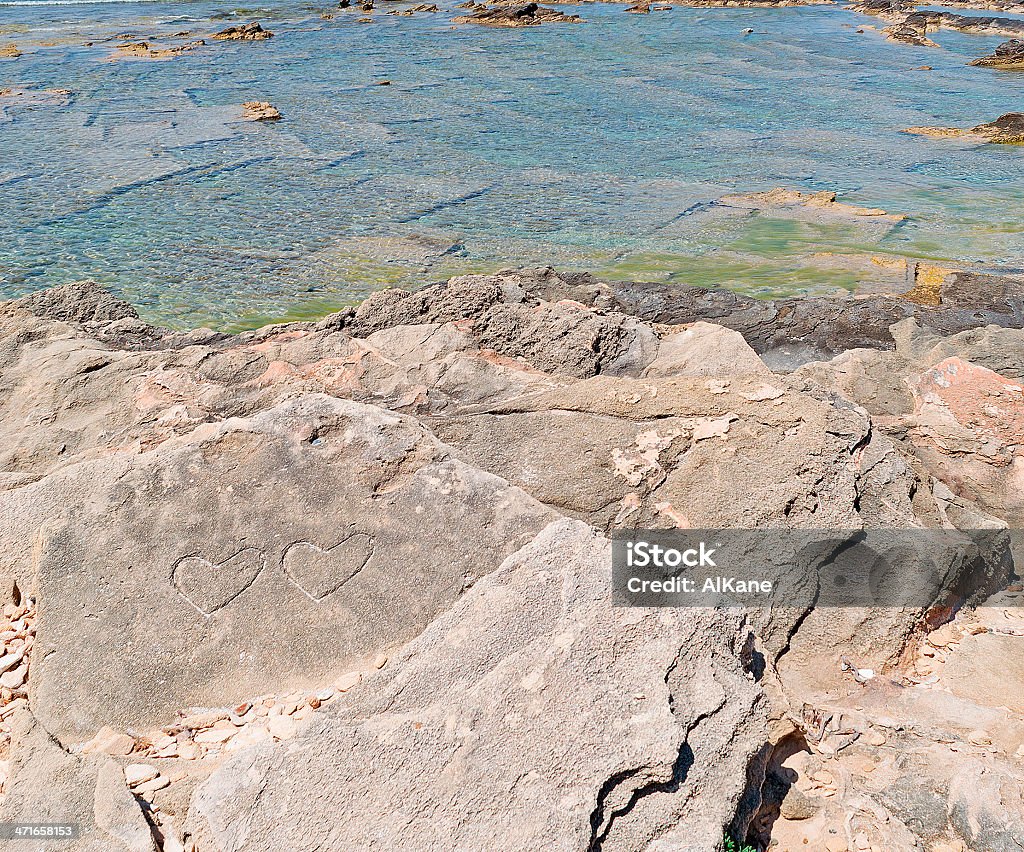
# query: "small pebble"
{"type": "Point", "coordinates": [348, 680]}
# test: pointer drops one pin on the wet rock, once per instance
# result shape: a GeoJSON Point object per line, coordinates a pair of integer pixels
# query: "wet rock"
{"type": "Point", "coordinates": [749, 4]}
{"type": "Point", "coordinates": [1009, 56]}
{"type": "Point", "coordinates": [146, 50]}
{"type": "Point", "coordinates": [525, 15]}
{"type": "Point", "coordinates": [913, 31]}
{"type": "Point", "coordinates": [1006, 130]}
{"type": "Point", "coordinates": [9, 51]}
{"type": "Point", "coordinates": [787, 332]}
{"type": "Point", "coordinates": [260, 111]}
{"type": "Point", "coordinates": [244, 32]}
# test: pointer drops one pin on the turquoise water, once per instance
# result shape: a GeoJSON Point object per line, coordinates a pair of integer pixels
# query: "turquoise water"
{"type": "Point", "coordinates": [590, 146]}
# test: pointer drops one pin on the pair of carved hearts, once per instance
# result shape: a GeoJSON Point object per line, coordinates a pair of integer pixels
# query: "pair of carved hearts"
{"type": "Point", "coordinates": [316, 572]}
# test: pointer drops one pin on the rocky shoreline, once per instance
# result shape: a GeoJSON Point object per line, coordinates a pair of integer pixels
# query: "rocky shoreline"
{"type": "Point", "coordinates": [301, 587]}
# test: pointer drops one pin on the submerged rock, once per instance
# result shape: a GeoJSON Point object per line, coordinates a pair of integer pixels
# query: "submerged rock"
{"type": "Point", "coordinates": [9, 51]}
{"type": "Point", "coordinates": [780, 198]}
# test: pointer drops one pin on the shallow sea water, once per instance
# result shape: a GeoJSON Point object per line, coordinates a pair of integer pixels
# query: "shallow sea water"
{"type": "Point", "coordinates": [591, 146]}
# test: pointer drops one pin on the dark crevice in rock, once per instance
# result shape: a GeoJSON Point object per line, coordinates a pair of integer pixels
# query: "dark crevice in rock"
{"type": "Point", "coordinates": [679, 772]}
{"type": "Point", "coordinates": [769, 783]}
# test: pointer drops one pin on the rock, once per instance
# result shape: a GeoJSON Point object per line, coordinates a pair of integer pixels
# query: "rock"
{"type": "Point", "coordinates": [9, 661]}
{"type": "Point", "coordinates": [419, 479]}
{"type": "Point", "coordinates": [500, 689]}
{"type": "Point", "coordinates": [109, 741]}
{"type": "Point", "coordinates": [9, 51]}
{"type": "Point", "coordinates": [820, 201]}
{"type": "Point", "coordinates": [788, 332]}
{"type": "Point", "coordinates": [82, 302]}
{"type": "Point", "coordinates": [703, 349]}
{"type": "Point", "coordinates": [970, 419]}
{"type": "Point", "coordinates": [986, 806]}
{"type": "Point", "coordinates": [351, 483]}
{"type": "Point", "coordinates": [563, 338]}
{"type": "Point", "coordinates": [151, 786]}
{"type": "Point", "coordinates": [979, 738]}
{"type": "Point", "coordinates": [260, 111]}
{"type": "Point", "coordinates": [56, 787]}
{"type": "Point", "coordinates": [348, 681]}
{"type": "Point", "coordinates": [204, 719]}
{"type": "Point", "coordinates": [146, 50]}
{"type": "Point", "coordinates": [1006, 130]}
{"type": "Point", "coordinates": [245, 32]}
{"type": "Point", "coordinates": [748, 4]}
{"type": "Point", "coordinates": [913, 31]}
{"type": "Point", "coordinates": [14, 678]}
{"type": "Point", "coordinates": [525, 15]}
{"type": "Point", "coordinates": [567, 339]}
{"type": "Point", "coordinates": [1009, 56]}
{"type": "Point", "coordinates": [116, 811]}
{"type": "Point", "coordinates": [282, 727]}
{"type": "Point", "coordinates": [138, 773]}
{"type": "Point", "coordinates": [798, 806]}
{"type": "Point", "coordinates": [213, 736]}
{"type": "Point", "coordinates": [640, 444]}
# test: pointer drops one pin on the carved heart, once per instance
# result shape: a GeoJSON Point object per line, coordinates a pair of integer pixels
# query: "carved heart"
{"type": "Point", "coordinates": [319, 572]}
{"type": "Point", "coordinates": [211, 586]}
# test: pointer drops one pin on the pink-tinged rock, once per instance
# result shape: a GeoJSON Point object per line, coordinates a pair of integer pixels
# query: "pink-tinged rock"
{"type": "Point", "coordinates": [957, 393]}
{"type": "Point", "coordinates": [968, 429]}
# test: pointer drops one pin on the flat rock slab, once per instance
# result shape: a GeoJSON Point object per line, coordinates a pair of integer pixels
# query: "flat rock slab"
{"type": "Point", "coordinates": [531, 712]}
{"type": "Point", "coordinates": [250, 555]}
